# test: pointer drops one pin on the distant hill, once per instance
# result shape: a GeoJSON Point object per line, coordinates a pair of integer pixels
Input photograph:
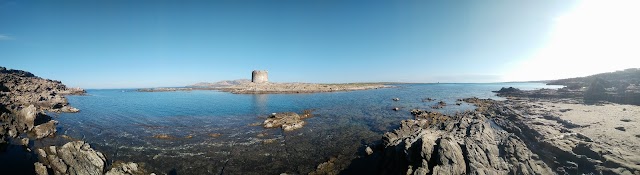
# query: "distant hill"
{"type": "Point", "coordinates": [621, 78]}
{"type": "Point", "coordinates": [220, 83]}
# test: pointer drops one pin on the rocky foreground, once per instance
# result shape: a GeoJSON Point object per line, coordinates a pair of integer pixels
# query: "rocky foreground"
{"type": "Point", "coordinates": [24, 101]}
{"type": "Point", "coordinates": [516, 136]}
{"type": "Point", "coordinates": [247, 87]}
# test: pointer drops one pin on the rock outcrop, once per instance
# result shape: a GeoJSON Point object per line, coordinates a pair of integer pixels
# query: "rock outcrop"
{"type": "Point", "coordinates": [72, 158]}
{"type": "Point", "coordinates": [288, 121]}
{"type": "Point", "coordinates": [23, 99]}
{"type": "Point", "coordinates": [438, 144]}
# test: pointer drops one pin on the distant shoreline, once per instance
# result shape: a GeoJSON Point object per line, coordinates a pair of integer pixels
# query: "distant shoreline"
{"type": "Point", "coordinates": [278, 88]}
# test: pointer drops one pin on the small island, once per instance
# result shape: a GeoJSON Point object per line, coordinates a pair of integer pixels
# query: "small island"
{"type": "Point", "coordinates": [259, 84]}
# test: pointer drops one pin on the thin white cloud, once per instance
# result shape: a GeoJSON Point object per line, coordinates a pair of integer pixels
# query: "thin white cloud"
{"type": "Point", "coordinates": [5, 37]}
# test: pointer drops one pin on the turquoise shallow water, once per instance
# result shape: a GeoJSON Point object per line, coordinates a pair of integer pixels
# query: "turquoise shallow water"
{"type": "Point", "coordinates": [123, 123]}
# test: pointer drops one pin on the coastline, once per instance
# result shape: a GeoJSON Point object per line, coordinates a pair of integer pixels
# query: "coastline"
{"type": "Point", "coordinates": [531, 132]}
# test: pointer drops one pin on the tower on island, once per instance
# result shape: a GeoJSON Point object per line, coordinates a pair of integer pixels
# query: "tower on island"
{"type": "Point", "coordinates": [259, 76]}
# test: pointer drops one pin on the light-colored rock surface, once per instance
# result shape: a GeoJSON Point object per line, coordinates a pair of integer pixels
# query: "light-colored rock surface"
{"type": "Point", "coordinates": [368, 150]}
{"type": "Point", "coordinates": [288, 121]}
{"type": "Point", "coordinates": [27, 116]}
{"type": "Point", "coordinates": [128, 168]}
{"type": "Point", "coordinates": [598, 123]}
{"type": "Point", "coordinates": [40, 169]}
{"type": "Point", "coordinates": [44, 130]}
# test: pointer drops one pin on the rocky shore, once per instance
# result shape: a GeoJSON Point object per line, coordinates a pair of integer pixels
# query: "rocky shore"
{"type": "Point", "coordinates": [527, 134]}
{"type": "Point", "coordinates": [24, 101]}
{"type": "Point", "coordinates": [244, 87]}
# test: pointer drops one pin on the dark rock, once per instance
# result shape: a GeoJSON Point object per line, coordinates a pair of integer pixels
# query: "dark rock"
{"type": "Point", "coordinates": [439, 105]}
{"type": "Point", "coordinates": [565, 110]}
{"type": "Point", "coordinates": [3, 88]}
{"type": "Point", "coordinates": [396, 99]}
{"type": "Point", "coordinates": [509, 90]}
{"type": "Point", "coordinates": [596, 91]}
{"type": "Point", "coordinates": [427, 99]}
{"type": "Point", "coordinates": [396, 109]}
{"type": "Point", "coordinates": [16, 72]}
{"type": "Point", "coordinates": [621, 128]}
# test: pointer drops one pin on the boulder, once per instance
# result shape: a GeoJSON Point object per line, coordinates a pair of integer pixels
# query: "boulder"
{"type": "Point", "coordinates": [72, 158]}
{"type": "Point", "coordinates": [40, 169]}
{"type": "Point", "coordinates": [44, 130]}
{"type": "Point", "coordinates": [368, 150]}
{"type": "Point", "coordinates": [27, 116]}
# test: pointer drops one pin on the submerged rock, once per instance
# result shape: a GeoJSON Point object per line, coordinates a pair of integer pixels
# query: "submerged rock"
{"type": "Point", "coordinates": [128, 168]}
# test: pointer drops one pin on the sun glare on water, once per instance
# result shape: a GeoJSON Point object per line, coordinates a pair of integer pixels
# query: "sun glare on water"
{"type": "Point", "coordinates": [593, 37]}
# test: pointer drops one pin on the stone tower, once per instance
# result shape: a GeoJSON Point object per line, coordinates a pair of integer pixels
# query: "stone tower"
{"type": "Point", "coordinates": [259, 76]}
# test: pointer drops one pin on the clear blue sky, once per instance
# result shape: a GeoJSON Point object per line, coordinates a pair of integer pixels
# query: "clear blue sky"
{"type": "Point", "coordinates": [124, 44]}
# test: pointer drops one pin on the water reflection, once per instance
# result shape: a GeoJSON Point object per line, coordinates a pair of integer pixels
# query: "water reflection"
{"type": "Point", "coordinates": [260, 103]}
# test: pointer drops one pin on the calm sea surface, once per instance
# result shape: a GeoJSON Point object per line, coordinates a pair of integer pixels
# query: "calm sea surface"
{"type": "Point", "coordinates": [209, 132]}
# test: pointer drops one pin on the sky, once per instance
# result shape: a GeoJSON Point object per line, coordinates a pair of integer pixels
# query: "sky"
{"type": "Point", "coordinates": [145, 43]}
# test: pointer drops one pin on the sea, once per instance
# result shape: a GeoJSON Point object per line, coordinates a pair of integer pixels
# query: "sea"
{"type": "Point", "coordinates": [213, 132]}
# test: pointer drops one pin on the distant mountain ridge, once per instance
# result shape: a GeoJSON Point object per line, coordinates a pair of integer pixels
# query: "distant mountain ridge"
{"type": "Point", "coordinates": [621, 78]}
{"type": "Point", "coordinates": [223, 83]}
